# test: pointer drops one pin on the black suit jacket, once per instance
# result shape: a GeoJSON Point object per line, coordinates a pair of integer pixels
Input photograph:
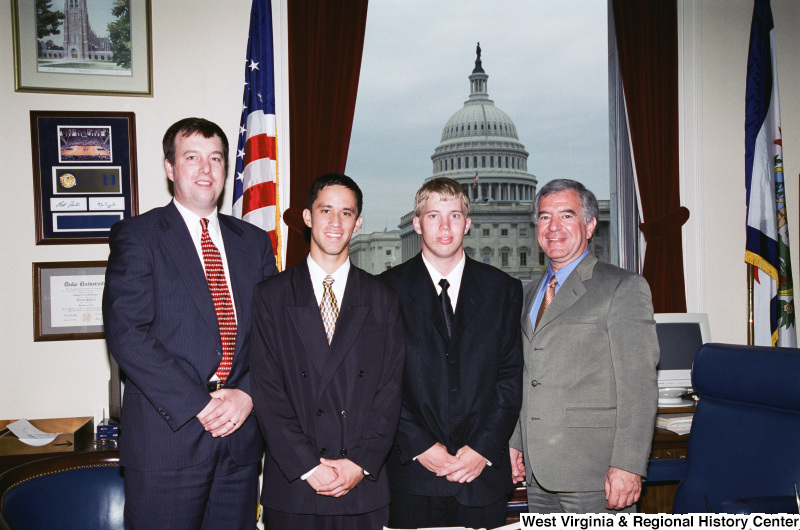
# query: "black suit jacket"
{"type": "Point", "coordinates": [465, 391]}
{"type": "Point", "coordinates": [313, 400]}
{"type": "Point", "coordinates": [161, 327]}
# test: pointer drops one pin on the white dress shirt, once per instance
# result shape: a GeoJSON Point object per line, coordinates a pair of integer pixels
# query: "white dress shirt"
{"type": "Point", "coordinates": [454, 279]}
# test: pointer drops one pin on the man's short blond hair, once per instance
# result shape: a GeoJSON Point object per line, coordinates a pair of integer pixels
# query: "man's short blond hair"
{"type": "Point", "coordinates": [446, 188]}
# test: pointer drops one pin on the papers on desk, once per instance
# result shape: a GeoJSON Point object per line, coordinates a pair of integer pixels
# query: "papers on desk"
{"type": "Point", "coordinates": [28, 434]}
{"type": "Point", "coordinates": [677, 423]}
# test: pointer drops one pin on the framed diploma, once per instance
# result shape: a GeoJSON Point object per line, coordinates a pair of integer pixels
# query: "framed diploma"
{"type": "Point", "coordinates": [67, 300]}
{"type": "Point", "coordinates": [84, 174]}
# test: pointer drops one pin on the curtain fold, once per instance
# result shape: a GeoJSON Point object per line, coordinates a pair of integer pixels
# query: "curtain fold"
{"type": "Point", "coordinates": [647, 43]}
{"type": "Point", "coordinates": [326, 39]}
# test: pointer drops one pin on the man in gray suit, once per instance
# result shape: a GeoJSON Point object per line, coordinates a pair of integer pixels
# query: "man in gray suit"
{"type": "Point", "coordinates": [590, 390]}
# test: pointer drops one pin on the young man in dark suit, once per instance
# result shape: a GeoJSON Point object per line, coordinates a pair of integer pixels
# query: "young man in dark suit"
{"type": "Point", "coordinates": [462, 386]}
{"type": "Point", "coordinates": [176, 310]}
{"type": "Point", "coordinates": [327, 363]}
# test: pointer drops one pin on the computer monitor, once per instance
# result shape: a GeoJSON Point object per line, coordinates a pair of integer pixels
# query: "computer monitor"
{"type": "Point", "coordinates": [680, 335]}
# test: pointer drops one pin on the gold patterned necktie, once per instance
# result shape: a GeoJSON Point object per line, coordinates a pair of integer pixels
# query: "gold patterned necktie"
{"type": "Point", "coordinates": [221, 296]}
{"type": "Point", "coordinates": [549, 294]}
{"type": "Point", "coordinates": [328, 307]}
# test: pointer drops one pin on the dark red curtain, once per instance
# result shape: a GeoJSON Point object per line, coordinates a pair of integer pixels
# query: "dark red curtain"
{"type": "Point", "coordinates": [647, 43]}
{"type": "Point", "coordinates": [326, 39]}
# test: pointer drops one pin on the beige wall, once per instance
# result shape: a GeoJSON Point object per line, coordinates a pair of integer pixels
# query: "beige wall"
{"type": "Point", "coordinates": [721, 45]}
{"type": "Point", "coordinates": [198, 69]}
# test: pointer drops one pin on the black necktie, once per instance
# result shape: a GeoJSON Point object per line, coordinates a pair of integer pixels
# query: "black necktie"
{"type": "Point", "coordinates": [447, 307]}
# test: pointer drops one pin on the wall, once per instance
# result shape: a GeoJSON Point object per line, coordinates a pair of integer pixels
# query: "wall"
{"type": "Point", "coordinates": [716, 42]}
{"type": "Point", "coordinates": [198, 70]}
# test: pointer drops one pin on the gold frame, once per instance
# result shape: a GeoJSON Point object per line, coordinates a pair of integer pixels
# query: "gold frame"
{"type": "Point", "coordinates": [27, 78]}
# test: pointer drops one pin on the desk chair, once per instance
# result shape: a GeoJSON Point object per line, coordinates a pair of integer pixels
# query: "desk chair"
{"type": "Point", "coordinates": [745, 438]}
{"type": "Point", "coordinates": [78, 490]}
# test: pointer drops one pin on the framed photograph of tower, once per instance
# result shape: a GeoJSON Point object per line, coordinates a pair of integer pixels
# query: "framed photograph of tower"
{"type": "Point", "coordinates": [93, 47]}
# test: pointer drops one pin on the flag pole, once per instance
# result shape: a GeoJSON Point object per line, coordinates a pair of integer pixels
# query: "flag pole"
{"type": "Point", "coordinates": [750, 315]}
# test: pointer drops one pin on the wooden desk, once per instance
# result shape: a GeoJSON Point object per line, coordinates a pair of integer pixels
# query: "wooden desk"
{"type": "Point", "coordinates": [9, 461]}
{"type": "Point", "coordinates": [656, 498]}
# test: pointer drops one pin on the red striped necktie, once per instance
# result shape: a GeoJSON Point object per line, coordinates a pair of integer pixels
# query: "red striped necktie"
{"type": "Point", "coordinates": [223, 305]}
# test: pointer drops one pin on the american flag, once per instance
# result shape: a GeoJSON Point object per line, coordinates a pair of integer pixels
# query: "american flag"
{"type": "Point", "coordinates": [255, 190]}
{"type": "Point", "coordinates": [475, 180]}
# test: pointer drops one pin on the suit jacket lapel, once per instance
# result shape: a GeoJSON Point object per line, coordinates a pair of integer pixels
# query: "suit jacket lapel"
{"type": "Point", "coordinates": [527, 305]}
{"type": "Point", "coordinates": [179, 243]}
{"type": "Point", "coordinates": [237, 270]}
{"type": "Point", "coordinates": [469, 299]}
{"type": "Point", "coordinates": [306, 317]}
{"type": "Point", "coordinates": [351, 317]}
{"type": "Point", "coordinates": [420, 286]}
{"type": "Point", "coordinates": [570, 292]}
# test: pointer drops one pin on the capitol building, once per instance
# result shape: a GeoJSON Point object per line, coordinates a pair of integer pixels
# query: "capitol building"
{"type": "Point", "coordinates": [480, 149]}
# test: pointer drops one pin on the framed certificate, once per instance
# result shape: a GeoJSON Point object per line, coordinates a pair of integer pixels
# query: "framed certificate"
{"type": "Point", "coordinates": [84, 174]}
{"type": "Point", "coordinates": [67, 300]}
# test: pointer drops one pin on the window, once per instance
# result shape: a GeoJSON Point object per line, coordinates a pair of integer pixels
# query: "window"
{"type": "Point", "coordinates": [504, 232]}
{"type": "Point", "coordinates": [486, 232]}
{"type": "Point", "coordinates": [389, 252]}
{"type": "Point", "coordinates": [486, 255]}
{"type": "Point", "coordinates": [523, 259]}
{"type": "Point", "coordinates": [541, 257]}
{"type": "Point", "coordinates": [504, 259]}
{"type": "Point", "coordinates": [387, 196]}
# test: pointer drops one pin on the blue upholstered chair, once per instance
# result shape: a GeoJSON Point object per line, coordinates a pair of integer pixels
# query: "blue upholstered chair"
{"type": "Point", "coordinates": [78, 490]}
{"type": "Point", "coordinates": [744, 447]}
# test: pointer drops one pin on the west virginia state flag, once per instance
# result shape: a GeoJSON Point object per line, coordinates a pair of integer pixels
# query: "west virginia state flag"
{"type": "Point", "coordinates": [767, 247]}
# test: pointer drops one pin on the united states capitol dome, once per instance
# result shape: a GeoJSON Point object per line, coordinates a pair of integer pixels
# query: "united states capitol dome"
{"type": "Point", "coordinates": [479, 144]}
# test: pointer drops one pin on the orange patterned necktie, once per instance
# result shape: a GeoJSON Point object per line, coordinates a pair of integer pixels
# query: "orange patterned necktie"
{"type": "Point", "coordinates": [549, 294]}
{"type": "Point", "coordinates": [223, 305]}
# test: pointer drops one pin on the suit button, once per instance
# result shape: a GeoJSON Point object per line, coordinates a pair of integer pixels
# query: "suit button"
{"type": "Point", "coordinates": [304, 374]}
{"type": "Point", "coordinates": [320, 412]}
{"type": "Point", "coordinates": [323, 451]}
{"type": "Point", "coordinates": [534, 383]}
{"type": "Point", "coordinates": [361, 373]}
{"type": "Point", "coordinates": [343, 452]}
{"type": "Point", "coordinates": [344, 414]}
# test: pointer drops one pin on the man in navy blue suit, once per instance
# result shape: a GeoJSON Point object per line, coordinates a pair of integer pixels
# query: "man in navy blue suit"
{"type": "Point", "coordinates": [176, 309]}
